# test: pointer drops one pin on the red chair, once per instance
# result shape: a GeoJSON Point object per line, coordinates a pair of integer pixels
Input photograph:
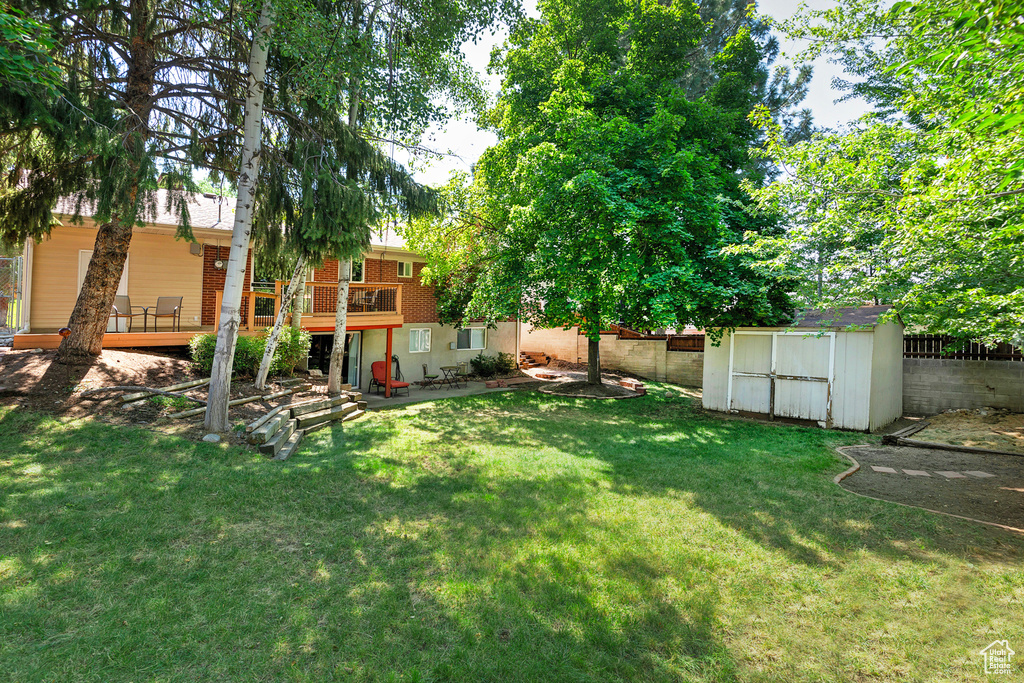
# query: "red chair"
{"type": "Point", "coordinates": [379, 371]}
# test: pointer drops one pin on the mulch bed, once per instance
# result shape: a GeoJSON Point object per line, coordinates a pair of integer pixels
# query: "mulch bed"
{"type": "Point", "coordinates": [36, 382]}
{"type": "Point", "coordinates": [998, 499]}
{"type": "Point", "coordinates": [997, 430]}
{"type": "Point", "coordinates": [585, 390]}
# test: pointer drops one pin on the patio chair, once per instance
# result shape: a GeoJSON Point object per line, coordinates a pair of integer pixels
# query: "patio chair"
{"type": "Point", "coordinates": [123, 309]}
{"type": "Point", "coordinates": [378, 370]}
{"type": "Point", "coordinates": [462, 374]}
{"type": "Point", "coordinates": [370, 300]}
{"type": "Point", "coordinates": [166, 307]}
{"type": "Point", "coordinates": [430, 380]}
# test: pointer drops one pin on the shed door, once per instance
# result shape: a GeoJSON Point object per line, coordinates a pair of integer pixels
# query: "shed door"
{"type": "Point", "coordinates": [788, 374]}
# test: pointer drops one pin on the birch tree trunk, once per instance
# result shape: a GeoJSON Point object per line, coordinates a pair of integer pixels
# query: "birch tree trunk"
{"type": "Point", "coordinates": [334, 378]}
{"type": "Point", "coordinates": [268, 352]}
{"type": "Point", "coordinates": [227, 330]}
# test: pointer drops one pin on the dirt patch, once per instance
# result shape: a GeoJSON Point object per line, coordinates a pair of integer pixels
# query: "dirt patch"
{"type": "Point", "coordinates": [36, 382]}
{"type": "Point", "coordinates": [996, 430]}
{"type": "Point", "coordinates": [998, 498]}
{"type": "Point", "coordinates": [585, 390]}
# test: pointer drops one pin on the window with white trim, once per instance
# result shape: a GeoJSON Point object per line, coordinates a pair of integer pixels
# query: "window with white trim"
{"type": "Point", "coordinates": [358, 270]}
{"type": "Point", "coordinates": [471, 339]}
{"type": "Point", "coordinates": [405, 269]}
{"type": "Point", "coordinates": [419, 340]}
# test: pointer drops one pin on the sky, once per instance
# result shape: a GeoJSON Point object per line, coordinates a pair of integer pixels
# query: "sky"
{"type": "Point", "coordinates": [465, 143]}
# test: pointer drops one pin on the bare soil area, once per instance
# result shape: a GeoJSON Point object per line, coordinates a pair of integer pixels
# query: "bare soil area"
{"type": "Point", "coordinates": [998, 498]}
{"type": "Point", "coordinates": [37, 382]}
{"type": "Point", "coordinates": [996, 430]}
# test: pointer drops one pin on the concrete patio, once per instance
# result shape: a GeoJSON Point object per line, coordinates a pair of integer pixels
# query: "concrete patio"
{"type": "Point", "coordinates": [418, 394]}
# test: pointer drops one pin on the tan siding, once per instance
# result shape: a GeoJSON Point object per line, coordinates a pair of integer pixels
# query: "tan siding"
{"type": "Point", "coordinates": [158, 265]}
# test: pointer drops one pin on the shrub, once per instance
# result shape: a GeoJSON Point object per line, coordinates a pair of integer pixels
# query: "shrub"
{"type": "Point", "coordinates": [292, 347]}
{"type": "Point", "coordinates": [483, 366]}
{"type": "Point", "coordinates": [505, 364]}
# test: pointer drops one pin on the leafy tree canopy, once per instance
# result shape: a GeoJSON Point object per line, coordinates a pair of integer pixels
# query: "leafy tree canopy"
{"type": "Point", "coordinates": [920, 203]}
{"type": "Point", "coordinates": [613, 190]}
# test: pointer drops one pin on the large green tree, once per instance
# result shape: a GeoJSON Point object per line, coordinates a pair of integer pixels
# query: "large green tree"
{"type": "Point", "coordinates": [614, 188]}
{"type": "Point", "coordinates": [920, 203]}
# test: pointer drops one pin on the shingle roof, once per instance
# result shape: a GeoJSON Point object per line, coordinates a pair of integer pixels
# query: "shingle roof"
{"type": "Point", "coordinates": [840, 317]}
{"type": "Point", "coordinates": [208, 212]}
{"type": "Point", "coordinates": [211, 212]}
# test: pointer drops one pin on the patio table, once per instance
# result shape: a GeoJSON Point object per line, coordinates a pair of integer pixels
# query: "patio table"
{"type": "Point", "coordinates": [451, 378]}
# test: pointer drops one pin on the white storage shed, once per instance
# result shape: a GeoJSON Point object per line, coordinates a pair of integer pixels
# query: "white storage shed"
{"type": "Point", "coordinates": [840, 368]}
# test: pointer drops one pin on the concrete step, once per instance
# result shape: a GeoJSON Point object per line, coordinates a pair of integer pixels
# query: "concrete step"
{"type": "Point", "coordinates": [267, 431]}
{"type": "Point", "coordinates": [354, 415]}
{"type": "Point", "coordinates": [291, 446]}
{"type": "Point", "coordinates": [274, 446]}
{"type": "Point", "coordinates": [355, 396]}
{"type": "Point", "coordinates": [334, 413]}
{"type": "Point", "coordinates": [361, 405]}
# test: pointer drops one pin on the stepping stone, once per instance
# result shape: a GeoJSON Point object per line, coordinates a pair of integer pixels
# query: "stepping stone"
{"type": "Point", "coordinates": [887, 470]}
{"type": "Point", "coordinates": [979, 475]}
{"type": "Point", "coordinates": [916, 473]}
{"type": "Point", "coordinates": [952, 475]}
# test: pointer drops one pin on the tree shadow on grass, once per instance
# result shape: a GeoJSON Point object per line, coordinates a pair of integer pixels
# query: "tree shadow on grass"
{"type": "Point", "coordinates": [771, 483]}
{"type": "Point", "coordinates": [128, 551]}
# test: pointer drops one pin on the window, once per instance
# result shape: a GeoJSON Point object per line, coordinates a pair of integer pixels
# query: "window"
{"type": "Point", "coordinates": [405, 269]}
{"type": "Point", "coordinates": [472, 339]}
{"type": "Point", "coordinates": [358, 270]}
{"type": "Point", "coordinates": [419, 340]}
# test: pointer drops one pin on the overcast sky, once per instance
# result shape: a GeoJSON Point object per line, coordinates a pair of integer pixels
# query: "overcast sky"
{"type": "Point", "coordinates": [467, 143]}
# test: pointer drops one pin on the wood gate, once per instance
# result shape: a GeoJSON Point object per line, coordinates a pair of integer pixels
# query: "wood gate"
{"type": "Point", "coordinates": [782, 374]}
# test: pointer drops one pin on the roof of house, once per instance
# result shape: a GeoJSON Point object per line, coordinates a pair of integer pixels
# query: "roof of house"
{"type": "Point", "coordinates": [210, 212]}
{"type": "Point", "coordinates": [206, 211]}
{"type": "Point", "coordinates": [840, 317]}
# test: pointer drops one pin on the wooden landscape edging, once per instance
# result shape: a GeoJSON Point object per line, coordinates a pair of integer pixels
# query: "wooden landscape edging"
{"type": "Point", "coordinates": [900, 439]}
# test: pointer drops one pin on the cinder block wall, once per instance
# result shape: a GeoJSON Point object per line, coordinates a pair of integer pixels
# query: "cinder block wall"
{"type": "Point", "coordinates": [646, 358]}
{"type": "Point", "coordinates": [931, 386]}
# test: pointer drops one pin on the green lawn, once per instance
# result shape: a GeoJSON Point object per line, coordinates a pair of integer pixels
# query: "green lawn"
{"type": "Point", "coordinates": [510, 537]}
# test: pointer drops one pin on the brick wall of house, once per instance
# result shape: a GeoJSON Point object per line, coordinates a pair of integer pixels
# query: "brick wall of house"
{"type": "Point", "coordinates": [213, 280]}
{"type": "Point", "coordinates": [327, 273]}
{"type": "Point", "coordinates": [419, 304]}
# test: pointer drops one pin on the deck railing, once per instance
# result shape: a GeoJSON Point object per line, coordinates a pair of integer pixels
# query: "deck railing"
{"type": "Point", "coordinates": [258, 309]}
{"type": "Point", "coordinates": [321, 298]}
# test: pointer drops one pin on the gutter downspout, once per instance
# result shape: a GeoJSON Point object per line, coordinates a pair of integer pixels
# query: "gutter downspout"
{"type": "Point", "coordinates": [26, 287]}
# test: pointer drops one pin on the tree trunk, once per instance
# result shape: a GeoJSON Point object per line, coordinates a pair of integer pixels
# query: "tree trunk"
{"type": "Point", "coordinates": [334, 378]}
{"type": "Point", "coordinates": [268, 352]}
{"type": "Point", "coordinates": [88, 321]}
{"type": "Point", "coordinates": [593, 361]}
{"type": "Point", "coordinates": [298, 301]}
{"type": "Point", "coordinates": [227, 330]}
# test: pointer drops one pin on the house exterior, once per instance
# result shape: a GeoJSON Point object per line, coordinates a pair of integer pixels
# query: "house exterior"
{"type": "Point", "coordinates": [388, 304]}
{"type": "Point", "coordinates": [841, 369]}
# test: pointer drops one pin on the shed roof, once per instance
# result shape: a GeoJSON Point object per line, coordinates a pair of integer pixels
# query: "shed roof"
{"type": "Point", "coordinates": [840, 317]}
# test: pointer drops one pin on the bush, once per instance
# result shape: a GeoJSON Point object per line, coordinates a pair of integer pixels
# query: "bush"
{"type": "Point", "coordinates": [292, 347]}
{"type": "Point", "coordinates": [505, 364]}
{"type": "Point", "coordinates": [483, 366]}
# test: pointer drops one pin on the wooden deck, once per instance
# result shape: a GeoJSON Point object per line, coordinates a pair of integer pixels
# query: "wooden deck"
{"type": "Point", "coordinates": [125, 340]}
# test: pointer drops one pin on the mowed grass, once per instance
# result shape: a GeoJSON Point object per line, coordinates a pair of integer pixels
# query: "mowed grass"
{"type": "Point", "coordinates": [509, 537]}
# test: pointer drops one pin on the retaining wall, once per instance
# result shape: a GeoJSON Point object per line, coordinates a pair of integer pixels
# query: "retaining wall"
{"type": "Point", "coordinates": [931, 386]}
{"type": "Point", "coordinates": [644, 357]}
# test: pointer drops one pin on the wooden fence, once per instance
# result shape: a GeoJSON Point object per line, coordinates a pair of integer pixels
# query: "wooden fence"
{"type": "Point", "coordinates": [693, 343]}
{"type": "Point", "coordinates": [943, 347]}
